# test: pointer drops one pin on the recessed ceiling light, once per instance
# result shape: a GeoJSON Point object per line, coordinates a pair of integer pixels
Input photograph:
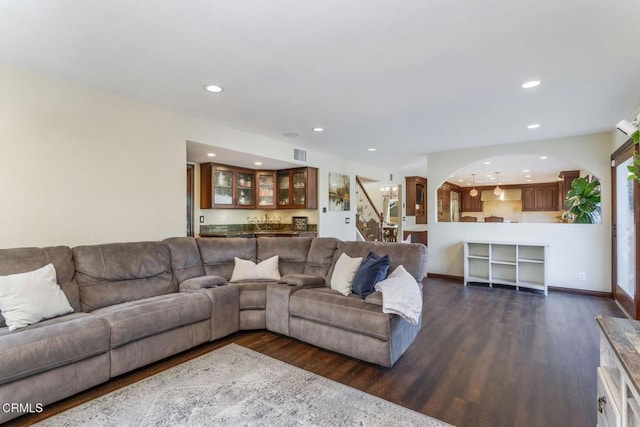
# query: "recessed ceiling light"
{"type": "Point", "coordinates": [487, 163]}
{"type": "Point", "coordinates": [257, 163]}
{"type": "Point", "coordinates": [493, 177]}
{"type": "Point", "coordinates": [213, 88]}
{"type": "Point", "coordinates": [318, 129]}
{"type": "Point", "coordinates": [530, 84]}
{"type": "Point", "coordinates": [533, 126]}
{"type": "Point", "coordinates": [371, 149]}
{"type": "Point", "coordinates": [528, 180]}
{"type": "Point", "coordinates": [461, 180]}
{"type": "Point", "coordinates": [489, 176]}
{"type": "Point", "coordinates": [468, 183]}
{"type": "Point", "coordinates": [211, 154]}
{"type": "Point", "coordinates": [525, 170]}
{"type": "Point", "coordinates": [543, 157]}
{"type": "Point", "coordinates": [527, 176]}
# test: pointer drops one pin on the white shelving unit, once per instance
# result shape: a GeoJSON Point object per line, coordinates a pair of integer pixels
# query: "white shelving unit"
{"type": "Point", "coordinates": [507, 263]}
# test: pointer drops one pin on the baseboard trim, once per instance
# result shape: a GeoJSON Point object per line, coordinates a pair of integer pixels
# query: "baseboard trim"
{"type": "Point", "coordinates": [598, 294]}
{"type": "Point", "coordinates": [450, 278]}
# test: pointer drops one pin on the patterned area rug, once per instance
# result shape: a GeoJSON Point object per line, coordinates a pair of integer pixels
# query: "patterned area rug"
{"type": "Point", "coordinates": [237, 386]}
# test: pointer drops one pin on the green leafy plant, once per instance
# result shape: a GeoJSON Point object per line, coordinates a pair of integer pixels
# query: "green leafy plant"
{"type": "Point", "coordinates": [584, 202]}
{"type": "Point", "coordinates": [634, 168]}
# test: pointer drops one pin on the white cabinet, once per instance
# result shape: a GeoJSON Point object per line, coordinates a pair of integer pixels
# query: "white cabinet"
{"type": "Point", "coordinates": [505, 263]}
{"type": "Point", "coordinates": [618, 375]}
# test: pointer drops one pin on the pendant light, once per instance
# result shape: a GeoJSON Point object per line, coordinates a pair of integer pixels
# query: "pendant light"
{"type": "Point", "coordinates": [473, 192]}
{"type": "Point", "coordinates": [497, 191]}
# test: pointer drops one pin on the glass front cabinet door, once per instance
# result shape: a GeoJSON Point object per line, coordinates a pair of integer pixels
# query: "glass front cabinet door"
{"type": "Point", "coordinates": [245, 196]}
{"type": "Point", "coordinates": [223, 187]}
{"type": "Point", "coordinates": [266, 189]}
{"type": "Point", "coordinates": [284, 187]}
{"type": "Point", "coordinates": [299, 184]}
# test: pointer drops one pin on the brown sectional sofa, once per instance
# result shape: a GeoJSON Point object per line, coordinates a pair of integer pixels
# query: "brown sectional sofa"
{"type": "Point", "coordinates": [136, 303]}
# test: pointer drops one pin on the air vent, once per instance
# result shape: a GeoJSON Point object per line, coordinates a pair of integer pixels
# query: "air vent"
{"type": "Point", "coordinates": [300, 155]}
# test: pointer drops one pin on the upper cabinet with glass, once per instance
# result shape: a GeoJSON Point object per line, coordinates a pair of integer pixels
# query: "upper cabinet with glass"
{"type": "Point", "coordinates": [223, 186]}
{"type": "Point", "coordinates": [514, 189]}
{"type": "Point", "coordinates": [226, 187]}
{"type": "Point", "coordinates": [298, 188]}
{"type": "Point", "coordinates": [266, 189]}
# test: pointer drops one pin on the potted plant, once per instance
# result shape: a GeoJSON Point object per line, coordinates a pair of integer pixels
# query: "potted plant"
{"type": "Point", "coordinates": [584, 202]}
{"type": "Point", "coordinates": [634, 169]}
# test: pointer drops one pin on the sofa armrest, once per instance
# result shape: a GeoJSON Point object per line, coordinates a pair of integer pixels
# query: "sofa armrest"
{"type": "Point", "coordinates": [225, 310]}
{"type": "Point", "coordinates": [302, 280]}
{"type": "Point", "coordinates": [202, 282]}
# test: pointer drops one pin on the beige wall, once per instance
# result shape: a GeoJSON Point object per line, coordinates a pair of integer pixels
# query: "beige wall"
{"type": "Point", "coordinates": [574, 248]}
{"type": "Point", "coordinates": [82, 166]}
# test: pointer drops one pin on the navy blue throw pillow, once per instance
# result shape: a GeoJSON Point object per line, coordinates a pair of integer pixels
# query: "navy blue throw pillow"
{"type": "Point", "coordinates": [372, 270]}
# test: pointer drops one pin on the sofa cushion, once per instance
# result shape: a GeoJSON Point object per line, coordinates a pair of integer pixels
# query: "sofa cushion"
{"type": "Point", "coordinates": [20, 260]}
{"type": "Point", "coordinates": [253, 295]}
{"type": "Point", "coordinates": [249, 270]}
{"type": "Point", "coordinates": [218, 253]}
{"type": "Point", "coordinates": [134, 320]}
{"type": "Point", "coordinates": [344, 272]}
{"type": "Point", "coordinates": [320, 256]}
{"type": "Point", "coordinates": [185, 258]}
{"type": "Point", "coordinates": [292, 252]}
{"type": "Point", "coordinates": [323, 305]}
{"type": "Point", "coordinates": [119, 272]}
{"type": "Point", "coordinates": [27, 298]}
{"type": "Point", "coordinates": [372, 270]}
{"type": "Point", "coordinates": [50, 344]}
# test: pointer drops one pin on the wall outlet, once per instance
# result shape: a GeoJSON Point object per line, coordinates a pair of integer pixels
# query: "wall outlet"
{"type": "Point", "coordinates": [582, 276]}
{"type": "Point", "coordinates": [201, 219]}
{"type": "Point", "coordinates": [347, 220]}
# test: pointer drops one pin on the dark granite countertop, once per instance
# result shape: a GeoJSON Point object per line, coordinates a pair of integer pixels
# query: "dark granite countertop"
{"type": "Point", "coordinates": [257, 233]}
{"type": "Point", "coordinates": [624, 337]}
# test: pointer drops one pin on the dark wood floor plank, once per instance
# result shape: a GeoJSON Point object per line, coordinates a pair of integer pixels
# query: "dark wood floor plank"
{"type": "Point", "coordinates": [484, 357]}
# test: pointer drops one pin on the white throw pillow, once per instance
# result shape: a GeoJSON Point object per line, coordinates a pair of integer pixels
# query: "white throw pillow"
{"type": "Point", "coordinates": [248, 270]}
{"type": "Point", "coordinates": [30, 297]}
{"type": "Point", "coordinates": [344, 273]}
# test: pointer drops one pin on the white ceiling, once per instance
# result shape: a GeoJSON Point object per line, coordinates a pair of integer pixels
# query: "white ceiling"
{"type": "Point", "coordinates": [407, 78]}
{"type": "Point", "coordinates": [512, 170]}
{"type": "Point", "coordinates": [200, 153]}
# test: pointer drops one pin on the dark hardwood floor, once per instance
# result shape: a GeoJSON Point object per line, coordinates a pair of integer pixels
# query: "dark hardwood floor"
{"type": "Point", "coordinates": [485, 357]}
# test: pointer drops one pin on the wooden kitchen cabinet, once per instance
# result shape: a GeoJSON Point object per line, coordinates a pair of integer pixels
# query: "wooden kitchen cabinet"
{"type": "Point", "coordinates": [528, 199]}
{"type": "Point", "coordinates": [297, 188]}
{"type": "Point", "coordinates": [471, 204]}
{"type": "Point", "coordinates": [266, 187]}
{"type": "Point", "coordinates": [540, 198]}
{"type": "Point", "coordinates": [416, 192]}
{"type": "Point", "coordinates": [547, 198]}
{"type": "Point", "coordinates": [224, 186]}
